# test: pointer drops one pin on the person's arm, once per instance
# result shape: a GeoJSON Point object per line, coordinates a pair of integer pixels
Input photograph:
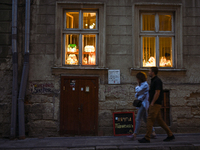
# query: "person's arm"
{"type": "Point", "coordinates": [136, 95]}
{"type": "Point", "coordinates": [157, 93]}
{"type": "Point", "coordinates": [142, 97]}
{"type": "Point", "coordinates": [141, 89]}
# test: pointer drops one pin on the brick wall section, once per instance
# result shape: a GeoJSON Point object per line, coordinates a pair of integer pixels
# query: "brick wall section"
{"type": "Point", "coordinates": [5, 66]}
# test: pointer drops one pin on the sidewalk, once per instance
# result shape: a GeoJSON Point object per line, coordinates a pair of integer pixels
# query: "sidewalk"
{"type": "Point", "coordinates": [182, 142]}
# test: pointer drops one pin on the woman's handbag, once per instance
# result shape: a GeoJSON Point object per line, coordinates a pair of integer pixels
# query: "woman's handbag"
{"type": "Point", "coordinates": [137, 103]}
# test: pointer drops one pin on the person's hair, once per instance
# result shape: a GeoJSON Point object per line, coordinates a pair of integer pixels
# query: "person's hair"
{"type": "Point", "coordinates": [155, 70]}
{"type": "Point", "coordinates": [141, 76]}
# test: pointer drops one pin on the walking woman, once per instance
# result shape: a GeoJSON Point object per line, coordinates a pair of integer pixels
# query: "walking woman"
{"type": "Point", "coordinates": [142, 93]}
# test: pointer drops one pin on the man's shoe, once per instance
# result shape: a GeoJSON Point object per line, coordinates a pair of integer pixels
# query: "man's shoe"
{"type": "Point", "coordinates": [169, 138]}
{"type": "Point", "coordinates": [143, 140]}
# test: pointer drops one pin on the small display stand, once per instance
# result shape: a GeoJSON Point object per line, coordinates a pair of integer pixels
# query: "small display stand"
{"type": "Point", "coordinates": [123, 123]}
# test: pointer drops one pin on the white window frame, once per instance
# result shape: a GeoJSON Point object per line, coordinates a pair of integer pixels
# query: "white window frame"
{"type": "Point", "coordinates": [157, 34]}
{"type": "Point", "coordinates": [176, 9]}
{"type": "Point", "coordinates": [80, 31]}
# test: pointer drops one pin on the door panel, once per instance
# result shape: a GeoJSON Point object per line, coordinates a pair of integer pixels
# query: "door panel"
{"type": "Point", "coordinates": [87, 101]}
{"type": "Point", "coordinates": [79, 105]}
{"type": "Point", "coordinates": [70, 107]}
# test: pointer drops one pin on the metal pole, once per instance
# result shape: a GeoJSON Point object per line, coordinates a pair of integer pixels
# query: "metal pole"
{"type": "Point", "coordinates": [15, 70]}
{"type": "Point", "coordinates": [24, 74]}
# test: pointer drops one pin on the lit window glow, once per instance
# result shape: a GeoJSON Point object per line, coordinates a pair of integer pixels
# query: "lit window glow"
{"type": "Point", "coordinates": [72, 20]}
{"type": "Point", "coordinates": [165, 63]}
{"type": "Point", "coordinates": [157, 43]}
{"type": "Point", "coordinates": [149, 51]}
{"type": "Point", "coordinates": [89, 51]}
{"type": "Point", "coordinates": [89, 48]}
{"type": "Point", "coordinates": [148, 22]}
{"type": "Point", "coordinates": [150, 63]}
{"type": "Point", "coordinates": [72, 59]}
{"type": "Point", "coordinates": [165, 22]}
{"type": "Point", "coordinates": [89, 20]}
{"type": "Point", "coordinates": [165, 51]}
{"type": "Point", "coordinates": [71, 49]}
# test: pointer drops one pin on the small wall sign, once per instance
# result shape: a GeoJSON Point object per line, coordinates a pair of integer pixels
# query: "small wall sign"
{"type": "Point", "coordinates": [113, 76]}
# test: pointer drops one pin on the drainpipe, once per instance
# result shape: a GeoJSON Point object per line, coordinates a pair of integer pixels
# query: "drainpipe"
{"type": "Point", "coordinates": [24, 74]}
{"type": "Point", "coordinates": [15, 70]}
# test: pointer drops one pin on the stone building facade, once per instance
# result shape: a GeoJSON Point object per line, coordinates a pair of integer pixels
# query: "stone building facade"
{"type": "Point", "coordinates": [119, 46]}
{"type": "Point", "coordinates": [6, 66]}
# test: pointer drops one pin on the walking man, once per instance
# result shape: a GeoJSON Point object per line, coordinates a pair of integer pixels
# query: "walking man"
{"type": "Point", "coordinates": [155, 99]}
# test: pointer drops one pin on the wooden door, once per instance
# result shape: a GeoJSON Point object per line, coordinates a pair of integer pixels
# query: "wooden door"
{"type": "Point", "coordinates": [79, 105]}
{"type": "Point", "coordinates": [69, 105]}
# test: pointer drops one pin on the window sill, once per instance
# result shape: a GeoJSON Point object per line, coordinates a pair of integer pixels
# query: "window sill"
{"type": "Point", "coordinates": [160, 69]}
{"type": "Point", "coordinates": [78, 70]}
{"type": "Point", "coordinates": [164, 70]}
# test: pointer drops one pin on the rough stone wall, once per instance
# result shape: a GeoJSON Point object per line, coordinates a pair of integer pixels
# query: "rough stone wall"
{"type": "Point", "coordinates": [42, 100]}
{"type": "Point", "coordinates": [114, 98]}
{"type": "Point", "coordinates": [185, 98]}
{"type": "Point", "coordinates": [185, 106]}
{"type": "Point", "coordinates": [183, 86]}
{"type": "Point", "coordinates": [5, 66]}
{"type": "Point", "coordinates": [191, 39]}
{"type": "Point", "coordinates": [119, 37]}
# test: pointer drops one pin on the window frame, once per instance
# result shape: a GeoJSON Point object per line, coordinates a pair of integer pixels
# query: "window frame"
{"type": "Point", "coordinates": [97, 20]}
{"type": "Point", "coordinates": [61, 6]}
{"type": "Point", "coordinates": [65, 19]}
{"type": "Point", "coordinates": [176, 9]}
{"type": "Point", "coordinates": [81, 61]}
{"type": "Point", "coordinates": [156, 33]}
{"type": "Point", "coordinates": [80, 19]}
{"type": "Point", "coordinates": [152, 13]}
{"type": "Point", "coordinates": [157, 13]}
{"type": "Point", "coordinates": [80, 31]}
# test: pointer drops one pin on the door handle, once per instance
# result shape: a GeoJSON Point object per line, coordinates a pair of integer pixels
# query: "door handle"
{"type": "Point", "coordinates": [79, 109]}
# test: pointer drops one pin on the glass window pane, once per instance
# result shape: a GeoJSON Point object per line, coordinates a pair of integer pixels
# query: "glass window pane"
{"type": "Point", "coordinates": [71, 49]}
{"type": "Point", "coordinates": [89, 20]}
{"type": "Point", "coordinates": [148, 22]}
{"type": "Point", "coordinates": [72, 20]}
{"type": "Point", "coordinates": [165, 50]}
{"type": "Point", "coordinates": [149, 51]}
{"type": "Point", "coordinates": [165, 23]}
{"type": "Point", "coordinates": [89, 50]}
